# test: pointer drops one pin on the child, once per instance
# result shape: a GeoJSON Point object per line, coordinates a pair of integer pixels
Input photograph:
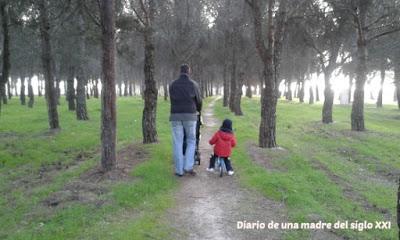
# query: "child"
{"type": "Point", "coordinates": [223, 140]}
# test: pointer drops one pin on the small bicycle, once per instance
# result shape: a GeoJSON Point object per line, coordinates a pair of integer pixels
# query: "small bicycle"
{"type": "Point", "coordinates": [220, 164]}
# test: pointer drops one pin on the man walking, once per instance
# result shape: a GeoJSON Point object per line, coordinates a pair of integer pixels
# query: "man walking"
{"type": "Point", "coordinates": [186, 103]}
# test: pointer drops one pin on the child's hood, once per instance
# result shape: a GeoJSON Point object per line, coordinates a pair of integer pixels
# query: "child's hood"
{"type": "Point", "coordinates": [226, 136]}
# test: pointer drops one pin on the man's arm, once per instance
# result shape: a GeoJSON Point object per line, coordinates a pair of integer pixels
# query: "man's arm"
{"type": "Point", "coordinates": [198, 98]}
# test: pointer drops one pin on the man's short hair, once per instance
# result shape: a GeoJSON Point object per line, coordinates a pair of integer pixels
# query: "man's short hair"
{"type": "Point", "coordinates": [185, 68]}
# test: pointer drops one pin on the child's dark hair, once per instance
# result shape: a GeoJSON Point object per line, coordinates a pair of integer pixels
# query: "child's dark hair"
{"type": "Point", "coordinates": [226, 126]}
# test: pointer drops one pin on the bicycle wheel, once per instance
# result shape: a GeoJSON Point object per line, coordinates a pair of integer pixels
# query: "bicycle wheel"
{"type": "Point", "coordinates": [221, 167]}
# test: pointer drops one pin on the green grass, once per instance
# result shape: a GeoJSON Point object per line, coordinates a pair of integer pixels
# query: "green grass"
{"type": "Point", "coordinates": [319, 164]}
{"type": "Point", "coordinates": [316, 156]}
{"type": "Point", "coordinates": [26, 146]}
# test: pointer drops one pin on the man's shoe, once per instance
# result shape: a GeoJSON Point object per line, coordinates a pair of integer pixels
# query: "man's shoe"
{"type": "Point", "coordinates": [190, 173]}
{"type": "Point", "coordinates": [210, 169]}
{"type": "Point", "coordinates": [230, 173]}
{"type": "Point", "coordinates": [178, 175]}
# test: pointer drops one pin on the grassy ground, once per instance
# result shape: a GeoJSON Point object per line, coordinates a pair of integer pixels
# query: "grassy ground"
{"type": "Point", "coordinates": [324, 172]}
{"type": "Point", "coordinates": [35, 163]}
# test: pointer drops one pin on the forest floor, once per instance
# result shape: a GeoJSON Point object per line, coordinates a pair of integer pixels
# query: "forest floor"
{"type": "Point", "coordinates": [50, 186]}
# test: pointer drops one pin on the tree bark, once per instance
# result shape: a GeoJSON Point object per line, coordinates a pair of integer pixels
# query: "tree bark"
{"type": "Point", "coordinates": [22, 91]}
{"type": "Point", "coordinates": [226, 86]}
{"type": "Point", "coordinates": [31, 96]}
{"type": "Point", "coordinates": [47, 60]}
{"type": "Point", "coordinates": [379, 102]}
{"type": "Point", "coordinates": [311, 91]}
{"type": "Point", "coordinates": [397, 81]}
{"type": "Point", "coordinates": [9, 90]}
{"type": "Point", "coordinates": [5, 52]}
{"type": "Point", "coordinates": [357, 111]}
{"type": "Point", "coordinates": [233, 81]}
{"type": "Point", "coordinates": [70, 89]}
{"type": "Point", "coordinates": [238, 95]}
{"type": "Point", "coordinates": [150, 93]}
{"type": "Point", "coordinates": [108, 113]}
{"type": "Point", "coordinates": [301, 91]}
{"type": "Point", "coordinates": [329, 97]}
{"type": "Point", "coordinates": [81, 110]}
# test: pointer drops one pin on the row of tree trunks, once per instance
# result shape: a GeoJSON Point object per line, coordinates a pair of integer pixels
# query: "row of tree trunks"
{"type": "Point", "coordinates": [47, 60]}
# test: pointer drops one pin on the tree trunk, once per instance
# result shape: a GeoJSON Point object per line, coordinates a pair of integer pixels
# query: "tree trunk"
{"type": "Point", "coordinates": [357, 111]}
{"type": "Point", "coordinates": [108, 113]}
{"type": "Point", "coordinates": [81, 110]}
{"type": "Point", "coordinates": [47, 60]}
{"type": "Point", "coordinates": [22, 91]}
{"type": "Point", "coordinates": [350, 85]}
{"type": "Point", "coordinates": [267, 133]}
{"type": "Point", "coordinates": [397, 82]}
{"type": "Point", "coordinates": [328, 102]}
{"type": "Point", "coordinates": [249, 93]}
{"type": "Point", "coordinates": [316, 93]}
{"type": "Point", "coordinates": [238, 95]}
{"type": "Point", "coordinates": [233, 82]}
{"type": "Point", "coordinates": [289, 90]}
{"type": "Point", "coordinates": [96, 88]}
{"type": "Point", "coordinates": [311, 101]}
{"type": "Point", "coordinates": [130, 89]}
{"type": "Point", "coordinates": [5, 52]}
{"type": "Point", "coordinates": [226, 86]}
{"type": "Point", "coordinates": [9, 90]}
{"type": "Point", "coordinates": [165, 88]}
{"type": "Point", "coordinates": [70, 89]}
{"type": "Point", "coordinates": [126, 87]}
{"type": "Point", "coordinates": [31, 96]}
{"type": "Point", "coordinates": [379, 103]}
{"type": "Point", "coordinates": [301, 91]}
{"type": "Point", "coordinates": [150, 93]}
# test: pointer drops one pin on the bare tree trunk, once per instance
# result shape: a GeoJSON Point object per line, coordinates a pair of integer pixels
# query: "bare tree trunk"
{"type": "Point", "coordinates": [31, 96]}
{"type": "Point", "coordinates": [150, 93]}
{"type": "Point", "coordinates": [47, 60]}
{"type": "Point", "coordinates": [22, 92]}
{"type": "Point", "coordinates": [96, 88]}
{"type": "Point", "coordinates": [357, 111]}
{"type": "Point", "coordinates": [397, 82]}
{"type": "Point", "coordinates": [5, 52]}
{"type": "Point", "coordinates": [328, 102]}
{"type": "Point", "coordinates": [9, 90]}
{"type": "Point", "coordinates": [289, 89]}
{"type": "Point", "coordinates": [379, 103]}
{"type": "Point", "coordinates": [238, 95]}
{"type": "Point", "coordinates": [233, 81]}
{"type": "Point", "coordinates": [249, 93]}
{"type": "Point", "coordinates": [108, 113]}
{"type": "Point", "coordinates": [70, 89]}
{"type": "Point", "coordinates": [301, 91]}
{"type": "Point", "coordinates": [81, 109]}
{"type": "Point", "coordinates": [311, 91]}
{"type": "Point", "coordinates": [226, 86]}
{"type": "Point", "coordinates": [130, 89]}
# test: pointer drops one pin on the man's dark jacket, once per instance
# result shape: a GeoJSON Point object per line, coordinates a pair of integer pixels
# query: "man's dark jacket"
{"type": "Point", "coordinates": [185, 99]}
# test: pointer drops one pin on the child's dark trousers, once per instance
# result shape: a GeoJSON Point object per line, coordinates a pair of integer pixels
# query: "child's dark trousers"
{"type": "Point", "coordinates": [226, 160]}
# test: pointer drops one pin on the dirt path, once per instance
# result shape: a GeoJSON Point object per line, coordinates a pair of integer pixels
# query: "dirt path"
{"type": "Point", "coordinates": [208, 207]}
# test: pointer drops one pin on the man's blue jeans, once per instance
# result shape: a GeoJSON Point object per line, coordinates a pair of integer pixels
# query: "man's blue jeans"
{"type": "Point", "coordinates": [183, 162]}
